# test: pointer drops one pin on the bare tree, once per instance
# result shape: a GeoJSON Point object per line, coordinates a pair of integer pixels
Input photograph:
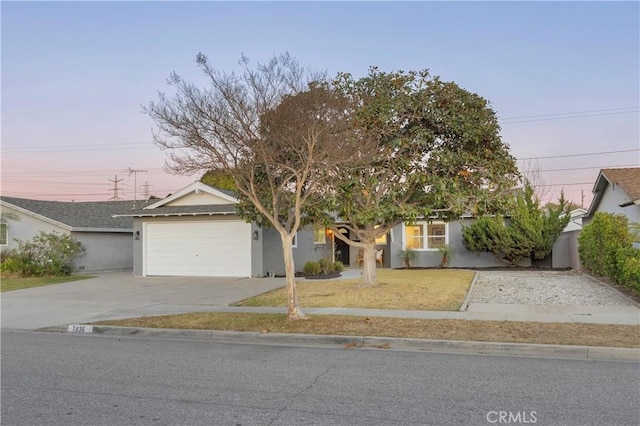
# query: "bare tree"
{"type": "Point", "coordinates": [532, 175]}
{"type": "Point", "coordinates": [275, 128]}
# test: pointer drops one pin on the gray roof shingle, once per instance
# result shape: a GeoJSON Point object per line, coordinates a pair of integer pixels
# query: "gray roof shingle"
{"type": "Point", "coordinates": [81, 215]}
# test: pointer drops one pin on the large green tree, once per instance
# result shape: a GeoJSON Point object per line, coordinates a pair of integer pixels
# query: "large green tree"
{"type": "Point", "coordinates": [529, 231]}
{"type": "Point", "coordinates": [432, 150]}
{"type": "Point", "coordinates": [275, 129]}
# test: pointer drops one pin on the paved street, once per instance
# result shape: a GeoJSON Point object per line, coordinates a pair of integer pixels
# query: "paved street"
{"type": "Point", "coordinates": [67, 379]}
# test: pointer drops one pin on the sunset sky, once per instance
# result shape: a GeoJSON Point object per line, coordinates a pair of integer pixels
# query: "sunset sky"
{"type": "Point", "coordinates": [563, 78]}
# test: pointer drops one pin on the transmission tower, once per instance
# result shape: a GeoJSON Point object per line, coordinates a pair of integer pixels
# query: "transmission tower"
{"type": "Point", "coordinates": [146, 191]}
{"type": "Point", "coordinates": [115, 182]}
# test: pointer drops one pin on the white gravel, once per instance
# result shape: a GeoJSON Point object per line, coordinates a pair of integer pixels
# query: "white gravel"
{"type": "Point", "coordinates": [543, 288]}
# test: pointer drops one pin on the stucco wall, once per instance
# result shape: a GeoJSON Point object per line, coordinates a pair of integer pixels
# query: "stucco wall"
{"type": "Point", "coordinates": [105, 251]}
{"type": "Point", "coordinates": [460, 256]}
{"type": "Point", "coordinates": [305, 250]}
{"type": "Point", "coordinates": [610, 202]}
{"type": "Point", "coordinates": [26, 227]}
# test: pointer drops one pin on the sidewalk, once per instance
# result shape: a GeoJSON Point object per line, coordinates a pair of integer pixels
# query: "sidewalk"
{"type": "Point", "coordinates": [621, 315]}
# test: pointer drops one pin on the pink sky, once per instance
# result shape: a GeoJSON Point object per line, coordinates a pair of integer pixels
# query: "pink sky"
{"type": "Point", "coordinates": [562, 77]}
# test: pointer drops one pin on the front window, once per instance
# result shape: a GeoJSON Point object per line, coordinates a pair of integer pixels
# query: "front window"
{"type": "Point", "coordinates": [319, 235]}
{"type": "Point", "coordinates": [382, 239]}
{"type": "Point", "coordinates": [426, 236]}
{"type": "Point", "coordinates": [3, 234]}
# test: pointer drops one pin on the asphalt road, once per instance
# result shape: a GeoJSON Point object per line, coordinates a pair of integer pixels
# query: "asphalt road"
{"type": "Point", "coordinates": [69, 379]}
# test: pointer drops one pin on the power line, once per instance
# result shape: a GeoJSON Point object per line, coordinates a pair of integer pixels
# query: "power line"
{"type": "Point", "coordinates": [579, 155]}
{"type": "Point", "coordinates": [563, 116]}
{"type": "Point", "coordinates": [587, 168]}
{"type": "Point", "coordinates": [624, 109]}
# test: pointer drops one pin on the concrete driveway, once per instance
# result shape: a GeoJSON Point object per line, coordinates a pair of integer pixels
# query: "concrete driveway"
{"type": "Point", "coordinates": [122, 295]}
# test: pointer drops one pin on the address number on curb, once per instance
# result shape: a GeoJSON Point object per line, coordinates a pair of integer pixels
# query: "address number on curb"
{"type": "Point", "coordinates": [80, 329]}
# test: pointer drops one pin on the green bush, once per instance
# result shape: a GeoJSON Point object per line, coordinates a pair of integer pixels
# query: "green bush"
{"type": "Point", "coordinates": [311, 268]}
{"type": "Point", "coordinates": [326, 267]}
{"type": "Point", "coordinates": [48, 253]}
{"type": "Point", "coordinates": [11, 262]}
{"type": "Point", "coordinates": [629, 261]}
{"type": "Point", "coordinates": [322, 267]}
{"type": "Point", "coordinates": [599, 244]}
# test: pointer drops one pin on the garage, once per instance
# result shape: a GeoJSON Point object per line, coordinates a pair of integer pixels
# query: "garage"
{"type": "Point", "coordinates": [212, 248]}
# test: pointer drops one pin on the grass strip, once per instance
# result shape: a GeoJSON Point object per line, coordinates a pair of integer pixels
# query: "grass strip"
{"type": "Point", "coordinates": [607, 335]}
{"type": "Point", "coordinates": [15, 283]}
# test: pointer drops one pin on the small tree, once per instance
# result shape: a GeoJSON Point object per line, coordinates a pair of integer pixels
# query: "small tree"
{"type": "Point", "coordinates": [219, 179]}
{"type": "Point", "coordinates": [277, 130]}
{"type": "Point", "coordinates": [48, 253]}
{"type": "Point", "coordinates": [530, 232]}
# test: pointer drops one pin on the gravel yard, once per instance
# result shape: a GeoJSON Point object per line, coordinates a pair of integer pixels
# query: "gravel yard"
{"type": "Point", "coordinates": [543, 288]}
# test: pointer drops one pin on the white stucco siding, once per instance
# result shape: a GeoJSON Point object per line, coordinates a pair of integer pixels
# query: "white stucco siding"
{"type": "Point", "coordinates": [611, 200]}
{"type": "Point", "coordinates": [200, 199]}
{"type": "Point", "coordinates": [26, 227]}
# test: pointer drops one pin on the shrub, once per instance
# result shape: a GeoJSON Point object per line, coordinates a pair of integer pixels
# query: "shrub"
{"type": "Point", "coordinates": [408, 256]}
{"type": "Point", "coordinates": [599, 244]}
{"type": "Point", "coordinates": [48, 253]}
{"type": "Point", "coordinates": [338, 266]}
{"type": "Point", "coordinates": [311, 268]}
{"type": "Point", "coordinates": [326, 267]}
{"type": "Point", "coordinates": [629, 275]}
{"type": "Point", "coordinates": [11, 262]}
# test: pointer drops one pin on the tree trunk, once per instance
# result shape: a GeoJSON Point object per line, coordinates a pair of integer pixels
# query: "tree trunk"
{"type": "Point", "coordinates": [293, 307]}
{"type": "Point", "coordinates": [368, 264]}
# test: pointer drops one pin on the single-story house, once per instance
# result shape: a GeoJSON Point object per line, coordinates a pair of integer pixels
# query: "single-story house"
{"type": "Point", "coordinates": [616, 191]}
{"type": "Point", "coordinates": [197, 232]}
{"type": "Point", "coordinates": [107, 239]}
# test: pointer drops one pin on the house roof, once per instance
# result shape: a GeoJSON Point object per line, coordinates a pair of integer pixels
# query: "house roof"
{"type": "Point", "coordinates": [93, 216]}
{"type": "Point", "coordinates": [195, 187]}
{"type": "Point", "coordinates": [628, 179]}
{"type": "Point", "coordinates": [164, 208]}
{"type": "Point", "coordinates": [203, 210]}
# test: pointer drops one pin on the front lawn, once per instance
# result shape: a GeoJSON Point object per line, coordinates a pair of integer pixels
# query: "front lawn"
{"type": "Point", "coordinates": [425, 290]}
{"type": "Point", "coordinates": [8, 283]}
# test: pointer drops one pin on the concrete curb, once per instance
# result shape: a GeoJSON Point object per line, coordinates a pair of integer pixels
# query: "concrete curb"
{"type": "Point", "coordinates": [399, 344]}
{"type": "Point", "coordinates": [465, 302]}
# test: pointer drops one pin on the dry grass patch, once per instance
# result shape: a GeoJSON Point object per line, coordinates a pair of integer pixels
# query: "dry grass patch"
{"type": "Point", "coordinates": [426, 290]}
{"type": "Point", "coordinates": [490, 331]}
{"type": "Point", "coordinates": [9, 283]}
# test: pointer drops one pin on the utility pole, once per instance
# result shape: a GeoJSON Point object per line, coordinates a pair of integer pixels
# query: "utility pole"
{"type": "Point", "coordinates": [135, 183]}
{"type": "Point", "coordinates": [582, 200]}
{"type": "Point", "coordinates": [115, 181]}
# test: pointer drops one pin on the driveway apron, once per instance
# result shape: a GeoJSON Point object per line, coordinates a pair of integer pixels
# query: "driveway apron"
{"type": "Point", "coordinates": [122, 295]}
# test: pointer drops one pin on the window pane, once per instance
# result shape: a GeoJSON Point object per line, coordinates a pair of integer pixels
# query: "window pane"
{"type": "Point", "coordinates": [3, 234]}
{"type": "Point", "coordinates": [436, 235]}
{"type": "Point", "coordinates": [415, 236]}
{"type": "Point", "coordinates": [319, 235]}
{"type": "Point", "coordinates": [382, 239]}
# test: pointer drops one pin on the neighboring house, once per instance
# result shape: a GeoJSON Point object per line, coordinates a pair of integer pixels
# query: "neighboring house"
{"type": "Point", "coordinates": [197, 232]}
{"type": "Point", "coordinates": [107, 240]}
{"type": "Point", "coordinates": [616, 191]}
{"type": "Point", "coordinates": [565, 250]}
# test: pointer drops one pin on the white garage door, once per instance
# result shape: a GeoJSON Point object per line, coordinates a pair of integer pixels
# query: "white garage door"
{"type": "Point", "coordinates": [198, 249]}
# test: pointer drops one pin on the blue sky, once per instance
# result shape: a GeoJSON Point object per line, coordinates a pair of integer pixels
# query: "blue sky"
{"type": "Point", "coordinates": [562, 76]}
